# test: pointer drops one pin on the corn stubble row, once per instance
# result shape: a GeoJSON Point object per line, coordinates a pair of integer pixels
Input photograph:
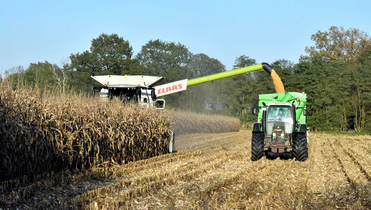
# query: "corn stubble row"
{"type": "Point", "coordinates": [189, 122]}
{"type": "Point", "coordinates": [40, 134]}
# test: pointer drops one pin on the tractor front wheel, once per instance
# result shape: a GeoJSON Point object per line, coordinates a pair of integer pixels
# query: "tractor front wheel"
{"type": "Point", "coordinates": [257, 146]}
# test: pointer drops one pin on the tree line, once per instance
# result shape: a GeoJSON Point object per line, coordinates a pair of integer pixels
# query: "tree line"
{"type": "Point", "coordinates": [335, 73]}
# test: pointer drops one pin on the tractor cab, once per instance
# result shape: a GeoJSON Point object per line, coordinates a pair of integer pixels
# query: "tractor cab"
{"type": "Point", "coordinates": [279, 117]}
{"type": "Point", "coordinates": [278, 123]}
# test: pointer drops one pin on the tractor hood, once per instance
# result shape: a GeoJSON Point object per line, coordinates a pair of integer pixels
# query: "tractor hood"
{"type": "Point", "coordinates": [127, 80]}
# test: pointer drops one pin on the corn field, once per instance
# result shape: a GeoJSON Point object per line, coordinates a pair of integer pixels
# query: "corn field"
{"type": "Point", "coordinates": [42, 134]}
{"type": "Point", "coordinates": [48, 133]}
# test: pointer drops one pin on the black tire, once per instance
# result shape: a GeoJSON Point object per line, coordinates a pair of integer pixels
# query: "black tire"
{"type": "Point", "coordinates": [257, 146]}
{"type": "Point", "coordinates": [300, 146]}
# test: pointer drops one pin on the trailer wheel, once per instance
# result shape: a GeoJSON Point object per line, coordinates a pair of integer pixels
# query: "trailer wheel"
{"type": "Point", "coordinates": [172, 142]}
{"type": "Point", "coordinates": [300, 146]}
{"type": "Point", "coordinates": [257, 146]}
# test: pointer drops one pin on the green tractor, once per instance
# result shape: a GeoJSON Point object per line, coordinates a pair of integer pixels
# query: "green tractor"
{"type": "Point", "coordinates": [281, 129]}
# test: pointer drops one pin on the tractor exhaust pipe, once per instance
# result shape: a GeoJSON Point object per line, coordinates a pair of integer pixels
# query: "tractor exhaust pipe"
{"type": "Point", "coordinates": [278, 85]}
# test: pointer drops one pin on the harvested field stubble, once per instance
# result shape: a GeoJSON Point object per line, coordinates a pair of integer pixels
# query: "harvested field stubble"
{"type": "Point", "coordinates": [222, 176]}
{"type": "Point", "coordinates": [216, 173]}
{"type": "Point", "coordinates": [40, 134]}
{"type": "Point", "coordinates": [189, 122]}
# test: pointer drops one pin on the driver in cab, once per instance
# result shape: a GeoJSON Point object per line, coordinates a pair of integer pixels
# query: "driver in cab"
{"type": "Point", "coordinates": [281, 114]}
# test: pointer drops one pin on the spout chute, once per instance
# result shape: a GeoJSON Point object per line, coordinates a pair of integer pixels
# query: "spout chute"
{"type": "Point", "coordinates": [278, 85]}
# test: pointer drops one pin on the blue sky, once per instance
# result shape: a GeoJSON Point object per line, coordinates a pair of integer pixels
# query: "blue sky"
{"type": "Point", "coordinates": [266, 30]}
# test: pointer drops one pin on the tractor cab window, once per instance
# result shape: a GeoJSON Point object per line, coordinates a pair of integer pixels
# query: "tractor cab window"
{"type": "Point", "coordinates": [279, 113]}
{"type": "Point", "coordinates": [280, 116]}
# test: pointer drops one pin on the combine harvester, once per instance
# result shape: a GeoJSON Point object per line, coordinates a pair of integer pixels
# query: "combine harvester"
{"type": "Point", "coordinates": [280, 135]}
{"type": "Point", "coordinates": [140, 88]}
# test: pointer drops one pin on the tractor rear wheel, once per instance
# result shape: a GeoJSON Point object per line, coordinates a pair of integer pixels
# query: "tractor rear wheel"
{"type": "Point", "coordinates": [257, 146]}
{"type": "Point", "coordinates": [300, 146]}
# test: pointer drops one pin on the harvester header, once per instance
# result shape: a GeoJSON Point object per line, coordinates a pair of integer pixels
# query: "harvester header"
{"type": "Point", "coordinates": [117, 81]}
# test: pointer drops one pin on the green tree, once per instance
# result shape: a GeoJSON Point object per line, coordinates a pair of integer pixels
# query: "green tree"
{"type": "Point", "coordinates": [166, 59]}
{"type": "Point", "coordinates": [338, 43]}
{"type": "Point", "coordinates": [201, 65]}
{"type": "Point", "coordinates": [243, 61]}
{"type": "Point", "coordinates": [15, 76]}
{"type": "Point", "coordinates": [109, 54]}
{"type": "Point", "coordinates": [326, 95]}
{"type": "Point", "coordinates": [43, 75]}
{"type": "Point", "coordinates": [360, 104]}
{"type": "Point", "coordinates": [335, 77]}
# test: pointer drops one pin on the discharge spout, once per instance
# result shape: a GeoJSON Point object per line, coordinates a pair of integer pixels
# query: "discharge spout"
{"type": "Point", "coordinates": [278, 85]}
{"type": "Point", "coordinates": [182, 85]}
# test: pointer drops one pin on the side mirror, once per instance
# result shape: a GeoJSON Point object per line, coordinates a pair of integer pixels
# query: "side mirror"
{"type": "Point", "coordinates": [306, 113]}
{"type": "Point", "coordinates": [254, 110]}
{"type": "Point", "coordinates": [159, 104]}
